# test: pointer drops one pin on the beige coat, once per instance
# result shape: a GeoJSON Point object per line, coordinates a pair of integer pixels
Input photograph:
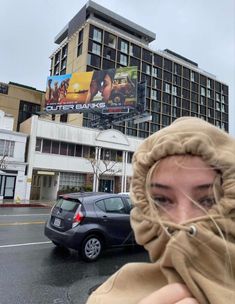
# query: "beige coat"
{"type": "Point", "coordinates": [199, 252]}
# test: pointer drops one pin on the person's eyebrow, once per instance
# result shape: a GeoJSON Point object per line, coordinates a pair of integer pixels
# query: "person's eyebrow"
{"type": "Point", "coordinates": [161, 186]}
{"type": "Point", "coordinates": [203, 186]}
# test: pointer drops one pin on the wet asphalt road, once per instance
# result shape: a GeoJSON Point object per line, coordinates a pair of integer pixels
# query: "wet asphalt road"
{"type": "Point", "coordinates": [33, 271]}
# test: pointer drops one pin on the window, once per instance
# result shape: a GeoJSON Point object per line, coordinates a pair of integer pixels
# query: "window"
{"type": "Point", "coordinates": [203, 100]}
{"type": "Point", "coordinates": [63, 64]}
{"type": "Point", "coordinates": [97, 35]}
{"type": "Point", "coordinates": [210, 113]}
{"type": "Point", "coordinates": [155, 118]}
{"type": "Point", "coordinates": [166, 109]}
{"type": "Point", "coordinates": [156, 106]}
{"type": "Point", "coordinates": [26, 110]}
{"type": "Point", "coordinates": [167, 88]}
{"type": "Point", "coordinates": [109, 53]}
{"type": "Point", "coordinates": [124, 47]}
{"type": "Point", "coordinates": [80, 40]}
{"type": "Point", "coordinates": [217, 97]}
{"type": "Point", "coordinates": [71, 180]}
{"type": "Point", "coordinates": [93, 60]}
{"type": "Point", "coordinates": [107, 64]}
{"type": "Point", "coordinates": [154, 94]}
{"type": "Point", "coordinates": [135, 62]}
{"type": "Point", "coordinates": [135, 50]}
{"type": "Point", "coordinates": [177, 69]}
{"type": "Point", "coordinates": [129, 157]}
{"type": "Point", "coordinates": [158, 60]}
{"type": "Point", "coordinates": [167, 98]}
{"type": "Point", "coordinates": [157, 83]}
{"type": "Point", "coordinates": [148, 69]}
{"type": "Point", "coordinates": [7, 147]}
{"type": "Point", "coordinates": [63, 148]}
{"type": "Point", "coordinates": [167, 65]}
{"type": "Point", "coordinates": [55, 147]}
{"type": "Point", "coordinates": [192, 76]}
{"type": "Point", "coordinates": [209, 83]}
{"type": "Point", "coordinates": [165, 120]}
{"type": "Point", "coordinates": [167, 76]}
{"type": "Point", "coordinates": [194, 107]}
{"type": "Point", "coordinates": [176, 102]}
{"type": "Point", "coordinates": [38, 144]}
{"type": "Point", "coordinates": [203, 91]}
{"type": "Point", "coordinates": [71, 149]}
{"type": "Point", "coordinates": [96, 48]}
{"type": "Point", "coordinates": [64, 117]}
{"type": "Point", "coordinates": [114, 205]}
{"type": "Point", "coordinates": [64, 51]}
{"type": "Point", "coordinates": [79, 52]}
{"type": "Point", "coordinates": [174, 90]}
{"type": "Point", "coordinates": [46, 146]}
{"type": "Point", "coordinates": [110, 40]}
{"type": "Point", "coordinates": [78, 151]}
{"type": "Point", "coordinates": [154, 72]}
{"type": "Point", "coordinates": [123, 59]}
{"type": "Point", "coordinates": [3, 88]}
{"type": "Point", "coordinates": [186, 73]}
{"type": "Point", "coordinates": [147, 56]}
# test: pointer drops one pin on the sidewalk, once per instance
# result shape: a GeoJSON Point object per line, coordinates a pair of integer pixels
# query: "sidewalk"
{"type": "Point", "coordinates": [31, 203]}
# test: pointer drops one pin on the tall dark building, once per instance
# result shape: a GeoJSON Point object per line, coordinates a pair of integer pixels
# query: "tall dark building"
{"type": "Point", "coordinates": [97, 38]}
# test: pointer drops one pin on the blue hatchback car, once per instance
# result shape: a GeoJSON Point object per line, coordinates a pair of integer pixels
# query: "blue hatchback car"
{"type": "Point", "coordinates": [89, 222]}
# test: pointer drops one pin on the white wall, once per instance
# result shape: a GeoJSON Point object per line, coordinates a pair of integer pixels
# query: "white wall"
{"type": "Point", "coordinates": [52, 130]}
{"type": "Point", "coordinates": [17, 162]}
{"type": "Point", "coordinates": [6, 121]}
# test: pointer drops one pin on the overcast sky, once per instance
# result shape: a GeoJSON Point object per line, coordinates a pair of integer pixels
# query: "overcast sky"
{"type": "Point", "coordinates": [201, 30]}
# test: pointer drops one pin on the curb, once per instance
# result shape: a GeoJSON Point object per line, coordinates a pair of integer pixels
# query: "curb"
{"type": "Point", "coordinates": [24, 205]}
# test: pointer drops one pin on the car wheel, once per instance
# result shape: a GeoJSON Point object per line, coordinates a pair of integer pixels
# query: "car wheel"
{"type": "Point", "coordinates": [91, 248]}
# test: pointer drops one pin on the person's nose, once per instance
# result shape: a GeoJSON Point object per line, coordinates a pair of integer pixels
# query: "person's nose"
{"type": "Point", "coordinates": [184, 211]}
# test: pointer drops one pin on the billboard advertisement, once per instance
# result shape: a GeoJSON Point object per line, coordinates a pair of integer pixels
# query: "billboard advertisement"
{"type": "Point", "coordinates": [108, 91]}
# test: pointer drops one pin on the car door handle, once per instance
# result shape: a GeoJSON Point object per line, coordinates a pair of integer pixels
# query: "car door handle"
{"type": "Point", "coordinates": [105, 218]}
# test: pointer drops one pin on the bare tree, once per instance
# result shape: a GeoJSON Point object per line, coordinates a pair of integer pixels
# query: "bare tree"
{"type": "Point", "coordinates": [3, 164]}
{"type": "Point", "coordinates": [102, 167]}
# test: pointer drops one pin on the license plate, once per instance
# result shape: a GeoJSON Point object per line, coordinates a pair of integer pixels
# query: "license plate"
{"type": "Point", "coordinates": [57, 222]}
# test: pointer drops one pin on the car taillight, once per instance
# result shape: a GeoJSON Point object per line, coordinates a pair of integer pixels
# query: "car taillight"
{"type": "Point", "coordinates": [78, 217]}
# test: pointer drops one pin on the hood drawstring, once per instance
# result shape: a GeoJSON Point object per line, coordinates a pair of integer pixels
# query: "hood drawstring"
{"type": "Point", "coordinates": [191, 230]}
{"type": "Point", "coordinates": [171, 228]}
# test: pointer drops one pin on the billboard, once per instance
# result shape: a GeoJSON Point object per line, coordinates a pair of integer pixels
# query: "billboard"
{"type": "Point", "coordinates": [108, 91]}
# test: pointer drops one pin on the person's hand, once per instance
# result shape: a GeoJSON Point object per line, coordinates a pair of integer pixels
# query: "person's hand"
{"type": "Point", "coordinates": [170, 294]}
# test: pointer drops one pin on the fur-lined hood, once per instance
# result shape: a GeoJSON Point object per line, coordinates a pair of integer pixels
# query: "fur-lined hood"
{"type": "Point", "coordinates": [201, 252]}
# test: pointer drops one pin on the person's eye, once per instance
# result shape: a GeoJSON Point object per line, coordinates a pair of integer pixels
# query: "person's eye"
{"type": "Point", "coordinates": [161, 200]}
{"type": "Point", "coordinates": [207, 202]}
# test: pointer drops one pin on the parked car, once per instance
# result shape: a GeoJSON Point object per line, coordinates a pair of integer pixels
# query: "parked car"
{"type": "Point", "coordinates": [89, 222]}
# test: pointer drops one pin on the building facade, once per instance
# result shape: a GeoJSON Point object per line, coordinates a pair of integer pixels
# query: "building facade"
{"type": "Point", "coordinates": [97, 38]}
{"type": "Point", "coordinates": [12, 160]}
{"type": "Point", "coordinates": [20, 101]}
{"type": "Point", "coordinates": [66, 158]}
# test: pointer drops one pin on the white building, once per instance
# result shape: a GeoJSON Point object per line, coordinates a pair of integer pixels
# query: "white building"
{"type": "Point", "coordinates": [63, 157]}
{"type": "Point", "coordinates": [12, 160]}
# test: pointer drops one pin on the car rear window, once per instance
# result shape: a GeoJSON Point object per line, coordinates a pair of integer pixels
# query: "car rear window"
{"type": "Point", "coordinates": [66, 204]}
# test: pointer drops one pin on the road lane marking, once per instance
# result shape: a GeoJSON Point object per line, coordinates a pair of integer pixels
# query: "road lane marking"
{"type": "Point", "coordinates": [25, 244]}
{"type": "Point", "coordinates": [21, 223]}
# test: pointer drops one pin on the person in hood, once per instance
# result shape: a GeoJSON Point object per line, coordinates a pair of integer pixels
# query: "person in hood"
{"type": "Point", "coordinates": [183, 192]}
